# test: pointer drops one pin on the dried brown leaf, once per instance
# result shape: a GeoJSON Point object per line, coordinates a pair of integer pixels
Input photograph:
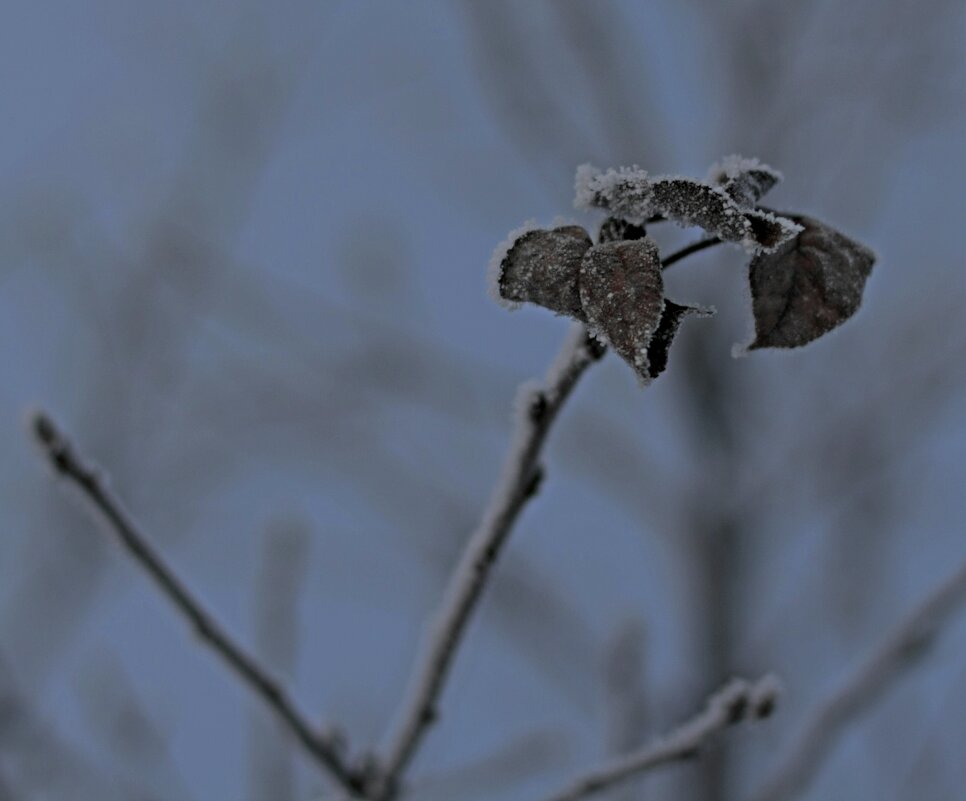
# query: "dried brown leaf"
{"type": "Point", "coordinates": [542, 266]}
{"type": "Point", "coordinates": [622, 291]}
{"type": "Point", "coordinates": [745, 180]}
{"type": "Point", "coordinates": [808, 286]}
{"type": "Point", "coordinates": [723, 211]}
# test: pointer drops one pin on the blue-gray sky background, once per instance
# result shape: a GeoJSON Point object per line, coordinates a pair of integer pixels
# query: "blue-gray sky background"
{"type": "Point", "coordinates": [242, 261]}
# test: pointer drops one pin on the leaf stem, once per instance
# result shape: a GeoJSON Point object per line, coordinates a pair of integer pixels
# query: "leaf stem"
{"type": "Point", "coordinates": [687, 250]}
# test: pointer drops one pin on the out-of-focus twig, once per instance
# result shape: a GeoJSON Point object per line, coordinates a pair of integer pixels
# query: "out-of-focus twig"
{"type": "Point", "coordinates": [281, 578]}
{"type": "Point", "coordinates": [627, 695]}
{"type": "Point", "coordinates": [61, 455]}
{"type": "Point", "coordinates": [901, 650]}
{"type": "Point", "coordinates": [737, 701]}
{"type": "Point", "coordinates": [537, 408]}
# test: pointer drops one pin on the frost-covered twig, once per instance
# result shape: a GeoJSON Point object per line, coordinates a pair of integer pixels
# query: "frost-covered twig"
{"type": "Point", "coordinates": [737, 701]}
{"type": "Point", "coordinates": [59, 451]}
{"type": "Point", "coordinates": [537, 408]}
{"type": "Point", "coordinates": [900, 650]}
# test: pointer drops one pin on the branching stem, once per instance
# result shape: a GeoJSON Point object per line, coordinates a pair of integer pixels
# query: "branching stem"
{"type": "Point", "coordinates": [537, 409]}
{"type": "Point", "coordinates": [737, 701]}
{"type": "Point", "coordinates": [60, 452]}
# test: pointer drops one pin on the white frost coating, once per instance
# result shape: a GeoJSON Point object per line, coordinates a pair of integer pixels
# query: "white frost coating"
{"type": "Point", "coordinates": [527, 394]}
{"type": "Point", "coordinates": [599, 335]}
{"type": "Point", "coordinates": [583, 195]}
{"type": "Point", "coordinates": [790, 227]}
{"type": "Point", "coordinates": [630, 194]}
{"type": "Point", "coordinates": [494, 270]}
{"type": "Point", "coordinates": [624, 192]}
{"type": "Point", "coordinates": [734, 165]}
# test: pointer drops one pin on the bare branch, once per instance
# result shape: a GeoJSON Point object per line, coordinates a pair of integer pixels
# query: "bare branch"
{"type": "Point", "coordinates": [737, 701]}
{"type": "Point", "coordinates": [59, 451]}
{"type": "Point", "coordinates": [537, 408]}
{"type": "Point", "coordinates": [902, 649]}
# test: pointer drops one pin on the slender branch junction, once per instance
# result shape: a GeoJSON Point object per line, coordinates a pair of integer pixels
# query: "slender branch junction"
{"type": "Point", "coordinates": [324, 749]}
{"type": "Point", "coordinates": [737, 701]}
{"type": "Point", "coordinates": [537, 409]}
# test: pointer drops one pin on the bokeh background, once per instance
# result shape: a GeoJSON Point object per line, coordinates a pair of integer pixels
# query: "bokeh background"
{"type": "Point", "coordinates": [242, 257]}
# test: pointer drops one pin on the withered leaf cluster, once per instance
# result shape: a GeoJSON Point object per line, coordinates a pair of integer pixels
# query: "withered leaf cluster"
{"type": "Point", "coordinates": [806, 278]}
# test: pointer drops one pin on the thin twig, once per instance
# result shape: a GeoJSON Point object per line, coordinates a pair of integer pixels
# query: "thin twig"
{"type": "Point", "coordinates": [323, 748]}
{"type": "Point", "coordinates": [737, 701]}
{"type": "Point", "coordinates": [905, 646]}
{"type": "Point", "coordinates": [537, 408]}
{"type": "Point", "coordinates": [687, 250]}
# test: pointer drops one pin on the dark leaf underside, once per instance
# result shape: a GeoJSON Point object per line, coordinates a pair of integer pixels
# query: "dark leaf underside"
{"type": "Point", "coordinates": [808, 286]}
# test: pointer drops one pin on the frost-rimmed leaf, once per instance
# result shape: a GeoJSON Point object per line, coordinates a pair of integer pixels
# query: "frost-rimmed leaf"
{"type": "Point", "coordinates": [667, 328]}
{"type": "Point", "coordinates": [625, 193]}
{"type": "Point", "coordinates": [808, 286]}
{"type": "Point", "coordinates": [745, 180]}
{"type": "Point", "coordinates": [691, 202]}
{"type": "Point", "coordinates": [542, 266]}
{"type": "Point", "coordinates": [622, 291]}
{"type": "Point", "coordinates": [630, 194]}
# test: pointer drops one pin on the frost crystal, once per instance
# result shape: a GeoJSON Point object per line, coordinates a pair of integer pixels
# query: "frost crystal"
{"type": "Point", "coordinates": [494, 271]}
{"type": "Point", "coordinates": [725, 211]}
{"type": "Point", "coordinates": [615, 287]}
{"type": "Point", "coordinates": [542, 267]}
{"type": "Point", "coordinates": [622, 292]}
{"type": "Point", "coordinates": [745, 180]}
{"type": "Point", "coordinates": [625, 193]}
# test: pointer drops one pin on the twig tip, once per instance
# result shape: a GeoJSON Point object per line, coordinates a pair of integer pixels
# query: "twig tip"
{"type": "Point", "coordinates": [41, 427]}
{"type": "Point", "coordinates": [45, 433]}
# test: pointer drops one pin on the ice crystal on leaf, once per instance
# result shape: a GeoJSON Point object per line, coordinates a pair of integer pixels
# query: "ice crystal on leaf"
{"type": "Point", "coordinates": [725, 210]}
{"type": "Point", "coordinates": [622, 292]}
{"type": "Point", "coordinates": [745, 180]}
{"type": "Point", "coordinates": [541, 267]}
